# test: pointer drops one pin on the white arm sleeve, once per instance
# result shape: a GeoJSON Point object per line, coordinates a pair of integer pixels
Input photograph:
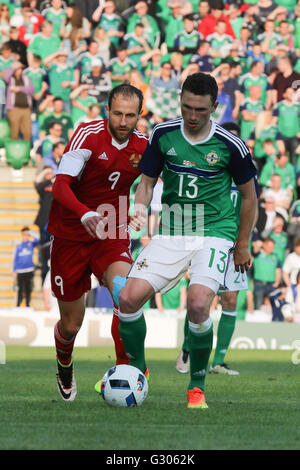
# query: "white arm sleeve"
{"type": "Point", "coordinates": [73, 162]}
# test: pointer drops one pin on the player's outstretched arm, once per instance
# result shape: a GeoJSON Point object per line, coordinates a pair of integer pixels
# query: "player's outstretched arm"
{"type": "Point", "coordinates": [242, 257]}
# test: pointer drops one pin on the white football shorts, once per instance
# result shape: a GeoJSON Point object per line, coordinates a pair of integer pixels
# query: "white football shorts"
{"type": "Point", "coordinates": [165, 260]}
{"type": "Point", "coordinates": [235, 280]}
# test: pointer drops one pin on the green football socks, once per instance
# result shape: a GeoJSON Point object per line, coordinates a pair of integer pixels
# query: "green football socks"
{"type": "Point", "coordinates": [225, 331]}
{"type": "Point", "coordinates": [200, 345]}
{"type": "Point", "coordinates": [133, 335]}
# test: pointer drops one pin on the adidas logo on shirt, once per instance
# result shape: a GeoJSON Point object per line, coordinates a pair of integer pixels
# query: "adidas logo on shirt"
{"type": "Point", "coordinates": [171, 151]}
{"type": "Point", "coordinates": [125, 254]}
{"type": "Point", "coordinates": [103, 156]}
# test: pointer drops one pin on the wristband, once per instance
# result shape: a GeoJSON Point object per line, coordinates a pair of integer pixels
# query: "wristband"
{"type": "Point", "coordinates": [88, 215]}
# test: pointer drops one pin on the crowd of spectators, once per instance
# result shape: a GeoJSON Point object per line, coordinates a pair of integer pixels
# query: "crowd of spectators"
{"type": "Point", "coordinates": [60, 59]}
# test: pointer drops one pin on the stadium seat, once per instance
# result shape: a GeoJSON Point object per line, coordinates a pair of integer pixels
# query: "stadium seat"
{"type": "Point", "coordinates": [17, 153]}
{"type": "Point", "coordinates": [4, 131]}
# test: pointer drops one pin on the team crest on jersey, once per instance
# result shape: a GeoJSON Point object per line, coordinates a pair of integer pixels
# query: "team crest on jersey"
{"type": "Point", "coordinates": [134, 159]}
{"type": "Point", "coordinates": [212, 158]}
{"type": "Point", "coordinates": [142, 264]}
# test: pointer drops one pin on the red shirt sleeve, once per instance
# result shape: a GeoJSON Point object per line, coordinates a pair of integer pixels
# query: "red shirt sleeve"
{"type": "Point", "coordinates": [63, 193]}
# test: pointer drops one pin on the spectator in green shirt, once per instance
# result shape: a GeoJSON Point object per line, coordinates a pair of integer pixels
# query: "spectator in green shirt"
{"type": "Point", "coordinates": [257, 77]}
{"type": "Point", "coordinates": [173, 23]}
{"type": "Point", "coordinates": [250, 109]}
{"type": "Point", "coordinates": [187, 40]}
{"type": "Point", "coordinates": [266, 272]}
{"type": "Point", "coordinates": [81, 100]}
{"type": "Point", "coordinates": [265, 130]}
{"type": "Point", "coordinates": [120, 66]}
{"type": "Point", "coordinates": [110, 21]}
{"type": "Point", "coordinates": [61, 117]}
{"type": "Point", "coordinates": [56, 14]}
{"type": "Point", "coordinates": [137, 44]}
{"type": "Point", "coordinates": [282, 167]}
{"type": "Point", "coordinates": [46, 144]}
{"type": "Point", "coordinates": [287, 113]}
{"type": "Point", "coordinates": [150, 24]}
{"type": "Point", "coordinates": [280, 238]}
{"type": "Point", "coordinates": [44, 43]}
{"type": "Point", "coordinates": [61, 76]}
{"type": "Point", "coordinates": [40, 81]}
{"type": "Point", "coordinates": [6, 58]}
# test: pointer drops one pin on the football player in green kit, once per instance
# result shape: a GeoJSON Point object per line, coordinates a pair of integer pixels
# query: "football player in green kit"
{"type": "Point", "coordinates": [198, 160]}
{"type": "Point", "coordinates": [228, 317]}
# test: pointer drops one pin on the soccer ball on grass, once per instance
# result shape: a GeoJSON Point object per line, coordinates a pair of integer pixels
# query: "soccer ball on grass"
{"type": "Point", "coordinates": [123, 385]}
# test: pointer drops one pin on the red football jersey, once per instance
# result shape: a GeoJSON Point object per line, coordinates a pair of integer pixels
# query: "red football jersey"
{"type": "Point", "coordinates": [102, 172]}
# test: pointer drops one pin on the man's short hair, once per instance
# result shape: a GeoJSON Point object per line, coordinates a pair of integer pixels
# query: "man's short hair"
{"type": "Point", "coordinates": [201, 84]}
{"type": "Point", "coordinates": [269, 239]}
{"type": "Point", "coordinates": [6, 47]}
{"type": "Point", "coordinates": [57, 144]}
{"type": "Point", "coordinates": [54, 123]}
{"type": "Point", "coordinates": [189, 17]}
{"type": "Point", "coordinates": [126, 89]}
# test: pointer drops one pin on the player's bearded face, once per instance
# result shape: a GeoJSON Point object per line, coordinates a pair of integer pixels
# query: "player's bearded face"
{"type": "Point", "coordinates": [123, 116]}
{"type": "Point", "coordinates": [196, 111]}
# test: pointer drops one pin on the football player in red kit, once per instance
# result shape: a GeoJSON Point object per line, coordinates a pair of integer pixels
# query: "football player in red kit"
{"type": "Point", "coordinates": [89, 219]}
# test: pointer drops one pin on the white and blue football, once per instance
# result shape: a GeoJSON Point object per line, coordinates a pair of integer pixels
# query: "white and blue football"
{"type": "Point", "coordinates": [123, 385]}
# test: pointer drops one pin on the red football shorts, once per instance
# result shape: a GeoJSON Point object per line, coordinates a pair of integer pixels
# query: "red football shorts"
{"type": "Point", "coordinates": [73, 262]}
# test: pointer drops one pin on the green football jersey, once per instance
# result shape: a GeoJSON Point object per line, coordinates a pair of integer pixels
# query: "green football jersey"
{"type": "Point", "coordinates": [57, 75]}
{"type": "Point", "coordinates": [116, 67]}
{"type": "Point", "coordinates": [84, 63]}
{"type": "Point", "coordinates": [37, 76]}
{"type": "Point", "coordinates": [43, 46]}
{"type": "Point", "coordinates": [287, 174]}
{"type": "Point", "coordinates": [131, 41]}
{"type": "Point", "coordinates": [273, 43]}
{"type": "Point", "coordinates": [111, 23]}
{"type": "Point", "coordinates": [297, 33]}
{"type": "Point", "coordinates": [188, 41]}
{"type": "Point", "coordinates": [236, 199]}
{"type": "Point", "coordinates": [217, 42]}
{"type": "Point", "coordinates": [151, 28]}
{"type": "Point", "coordinates": [64, 119]}
{"type": "Point", "coordinates": [246, 81]}
{"type": "Point", "coordinates": [281, 242]}
{"type": "Point", "coordinates": [173, 26]}
{"type": "Point", "coordinates": [5, 64]}
{"type": "Point", "coordinates": [288, 118]}
{"type": "Point", "coordinates": [57, 18]}
{"type": "Point", "coordinates": [77, 113]}
{"type": "Point", "coordinates": [288, 4]}
{"type": "Point", "coordinates": [271, 132]}
{"type": "Point", "coordinates": [264, 266]}
{"type": "Point", "coordinates": [197, 179]}
{"type": "Point", "coordinates": [254, 107]}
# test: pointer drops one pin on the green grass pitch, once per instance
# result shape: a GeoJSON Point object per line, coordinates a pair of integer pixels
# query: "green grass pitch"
{"type": "Point", "coordinates": [257, 410]}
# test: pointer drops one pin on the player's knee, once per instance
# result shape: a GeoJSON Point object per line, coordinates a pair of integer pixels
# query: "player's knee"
{"type": "Point", "coordinates": [127, 302]}
{"type": "Point", "coordinates": [198, 309]}
{"type": "Point", "coordinates": [70, 326]}
{"type": "Point", "coordinates": [228, 301]}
